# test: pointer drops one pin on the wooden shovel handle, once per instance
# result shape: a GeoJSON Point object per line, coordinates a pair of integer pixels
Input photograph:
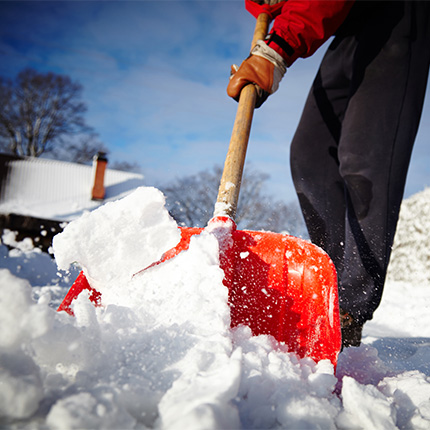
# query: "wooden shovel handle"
{"type": "Point", "coordinates": [261, 28]}
{"type": "Point", "coordinates": [228, 192]}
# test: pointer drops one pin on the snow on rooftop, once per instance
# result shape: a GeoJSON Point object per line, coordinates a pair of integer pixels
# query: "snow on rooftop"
{"type": "Point", "coordinates": [59, 190]}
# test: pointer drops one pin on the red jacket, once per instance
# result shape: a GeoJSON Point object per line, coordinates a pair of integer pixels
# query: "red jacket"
{"type": "Point", "coordinates": [303, 26]}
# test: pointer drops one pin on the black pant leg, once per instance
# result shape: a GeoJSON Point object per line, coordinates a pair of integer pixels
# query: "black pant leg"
{"type": "Point", "coordinates": [352, 213]}
{"type": "Point", "coordinates": [314, 160]}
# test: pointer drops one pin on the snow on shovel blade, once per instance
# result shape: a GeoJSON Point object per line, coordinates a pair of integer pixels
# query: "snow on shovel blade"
{"type": "Point", "coordinates": [278, 285]}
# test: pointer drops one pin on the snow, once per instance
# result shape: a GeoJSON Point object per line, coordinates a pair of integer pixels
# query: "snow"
{"type": "Point", "coordinates": [160, 353]}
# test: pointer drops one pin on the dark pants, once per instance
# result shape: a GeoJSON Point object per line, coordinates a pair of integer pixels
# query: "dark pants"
{"type": "Point", "coordinates": [351, 151]}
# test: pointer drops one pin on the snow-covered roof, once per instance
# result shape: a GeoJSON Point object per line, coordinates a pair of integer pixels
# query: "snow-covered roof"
{"type": "Point", "coordinates": [57, 190]}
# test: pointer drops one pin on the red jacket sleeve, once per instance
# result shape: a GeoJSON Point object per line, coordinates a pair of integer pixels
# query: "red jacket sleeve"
{"type": "Point", "coordinates": [304, 25]}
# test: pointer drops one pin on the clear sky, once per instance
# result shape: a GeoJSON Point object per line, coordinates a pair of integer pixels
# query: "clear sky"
{"type": "Point", "coordinates": [154, 75]}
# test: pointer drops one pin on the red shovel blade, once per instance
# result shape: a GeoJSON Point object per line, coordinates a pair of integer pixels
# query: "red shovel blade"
{"type": "Point", "coordinates": [278, 285]}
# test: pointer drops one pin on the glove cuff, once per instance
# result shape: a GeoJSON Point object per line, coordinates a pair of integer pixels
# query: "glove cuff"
{"type": "Point", "coordinates": [262, 50]}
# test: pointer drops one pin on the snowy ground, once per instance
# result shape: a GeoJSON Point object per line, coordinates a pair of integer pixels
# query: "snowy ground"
{"type": "Point", "coordinates": [160, 353]}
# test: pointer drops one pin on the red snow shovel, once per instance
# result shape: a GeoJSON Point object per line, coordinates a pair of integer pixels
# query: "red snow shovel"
{"type": "Point", "coordinates": [278, 285]}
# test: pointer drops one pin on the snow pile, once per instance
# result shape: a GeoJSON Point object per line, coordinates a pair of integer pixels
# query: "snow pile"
{"type": "Point", "coordinates": [117, 240]}
{"type": "Point", "coordinates": [411, 250]}
{"type": "Point", "coordinates": [160, 352]}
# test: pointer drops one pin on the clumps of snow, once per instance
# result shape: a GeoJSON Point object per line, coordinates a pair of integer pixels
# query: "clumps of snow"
{"type": "Point", "coordinates": [277, 390]}
{"type": "Point", "coordinates": [9, 238]}
{"type": "Point", "coordinates": [115, 241]}
{"type": "Point", "coordinates": [366, 406]}
{"type": "Point", "coordinates": [27, 262]}
{"type": "Point", "coordinates": [221, 209]}
{"type": "Point", "coordinates": [410, 392]}
{"type": "Point", "coordinates": [410, 260]}
{"type": "Point", "coordinates": [21, 322]}
{"type": "Point", "coordinates": [375, 396]}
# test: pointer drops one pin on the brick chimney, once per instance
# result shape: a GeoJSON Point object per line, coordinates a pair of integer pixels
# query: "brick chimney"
{"type": "Point", "coordinates": [99, 167]}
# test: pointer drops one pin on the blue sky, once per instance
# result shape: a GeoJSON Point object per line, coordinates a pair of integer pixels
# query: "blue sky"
{"type": "Point", "coordinates": [154, 75]}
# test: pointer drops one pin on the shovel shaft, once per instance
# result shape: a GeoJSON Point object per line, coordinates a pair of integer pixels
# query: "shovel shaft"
{"type": "Point", "coordinates": [261, 28]}
{"type": "Point", "coordinates": [228, 192]}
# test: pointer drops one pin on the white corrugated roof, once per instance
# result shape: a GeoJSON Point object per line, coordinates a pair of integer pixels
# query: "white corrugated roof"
{"type": "Point", "coordinates": [58, 190]}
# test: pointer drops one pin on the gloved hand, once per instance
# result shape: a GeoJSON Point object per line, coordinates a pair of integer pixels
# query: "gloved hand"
{"type": "Point", "coordinates": [264, 67]}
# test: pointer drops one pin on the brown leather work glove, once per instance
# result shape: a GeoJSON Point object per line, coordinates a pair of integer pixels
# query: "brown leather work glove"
{"type": "Point", "coordinates": [264, 68]}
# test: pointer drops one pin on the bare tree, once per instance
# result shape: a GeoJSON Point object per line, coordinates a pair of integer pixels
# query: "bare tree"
{"type": "Point", "coordinates": [190, 201]}
{"type": "Point", "coordinates": [37, 110]}
{"type": "Point", "coordinates": [126, 166]}
{"type": "Point", "coordinates": [81, 149]}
